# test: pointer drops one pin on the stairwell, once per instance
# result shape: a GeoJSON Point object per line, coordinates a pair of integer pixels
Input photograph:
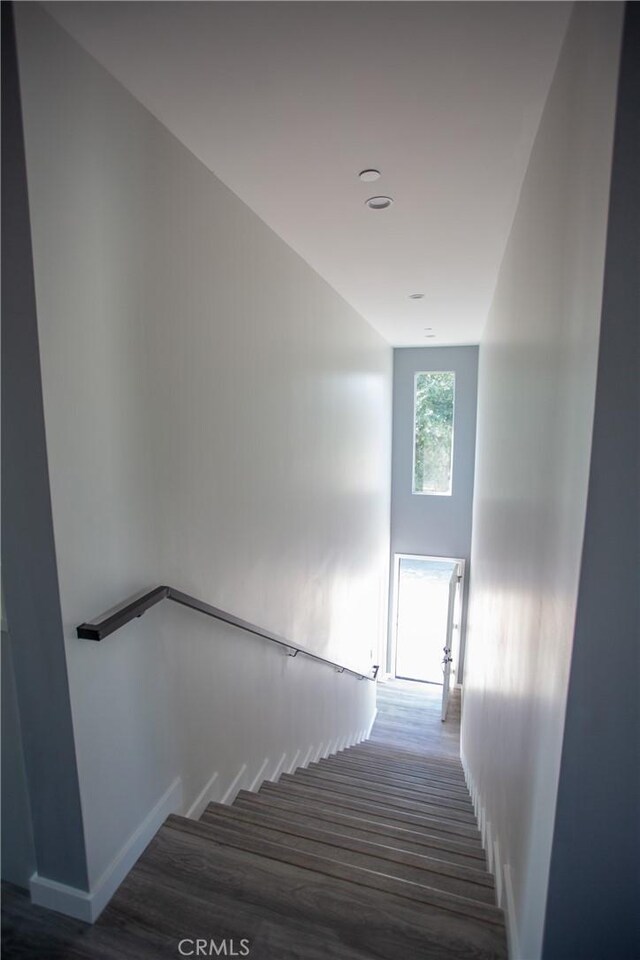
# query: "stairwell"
{"type": "Point", "coordinates": [371, 853]}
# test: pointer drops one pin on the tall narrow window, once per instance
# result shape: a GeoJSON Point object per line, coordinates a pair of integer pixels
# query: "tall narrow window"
{"type": "Point", "coordinates": [434, 394]}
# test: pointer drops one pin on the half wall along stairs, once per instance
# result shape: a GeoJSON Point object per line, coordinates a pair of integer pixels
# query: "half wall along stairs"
{"type": "Point", "coordinates": [371, 853]}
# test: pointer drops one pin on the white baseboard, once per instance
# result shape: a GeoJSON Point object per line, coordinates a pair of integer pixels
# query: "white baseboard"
{"type": "Point", "coordinates": [498, 874]}
{"type": "Point", "coordinates": [325, 749]}
{"type": "Point", "coordinates": [61, 898]}
{"type": "Point", "coordinates": [307, 757]}
{"type": "Point", "coordinates": [213, 790]}
{"type": "Point", "coordinates": [259, 777]}
{"type": "Point", "coordinates": [509, 907]}
{"type": "Point", "coordinates": [293, 763]}
{"type": "Point", "coordinates": [501, 871]}
{"type": "Point", "coordinates": [279, 767]}
{"type": "Point", "coordinates": [88, 905]}
{"type": "Point", "coordinates": [236, 784]}
{"type": "Point", "coordinates": [487, 843]}
{"type": "Point", "coordinates": [370, 727]}
{"type": "Point", "coordinates": [204, 798]}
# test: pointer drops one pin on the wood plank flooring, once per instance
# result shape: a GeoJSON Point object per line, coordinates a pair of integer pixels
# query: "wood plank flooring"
{"type": "Point", "coordinates": [373, 853]}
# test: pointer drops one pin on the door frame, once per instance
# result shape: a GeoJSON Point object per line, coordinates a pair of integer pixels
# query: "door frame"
{"type": "Point", "coordinates": [392, 639]}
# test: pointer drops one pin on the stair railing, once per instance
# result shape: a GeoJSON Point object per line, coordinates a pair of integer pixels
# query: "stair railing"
{"type": "Point", "coordinates": [109, 624]}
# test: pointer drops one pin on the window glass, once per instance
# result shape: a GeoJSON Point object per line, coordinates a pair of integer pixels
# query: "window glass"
{"type": "Point", "coordinates": [434, 394]}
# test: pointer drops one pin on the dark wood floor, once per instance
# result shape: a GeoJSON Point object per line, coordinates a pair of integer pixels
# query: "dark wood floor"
{"type": "Point", "coordinates": [373, 853]}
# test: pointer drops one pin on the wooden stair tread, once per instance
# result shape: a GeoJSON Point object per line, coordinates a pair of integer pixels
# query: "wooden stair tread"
{"type": "Point", "coordinates": [385, 788]}
{"type": "Point", "coordinates": [408, 765]}
{"type": "Point", "coordinates": [432, 807]}
{"type": "Point", "coordinates": [359, 921]}
{"type": "Point", "coordinates": [353, 824]}
{"type": "Point", "coordinates": [391, 811]}
{"type": "Point", "coordinates": [406, 755]}
{"type": "Point", "coordinates": [377, 813]}
{"type": "Point", "coordinates": [383, 774]}
{"type": "Point", "coordinates": [326, 847]}
{"type": "Point", "coordinates": [386, 770]}
{"type": "Point", "coordinates": [447, 902]}
{"type": "Point", "coordinates": [377, 845]}
{"type": "Point", "coordinates": [158, 901]}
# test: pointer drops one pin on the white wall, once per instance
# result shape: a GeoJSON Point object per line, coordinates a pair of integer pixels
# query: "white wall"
{"type": "Point", "coordinates": [218, 419]}
{"type": "Point", "coordinates": [535, 414]}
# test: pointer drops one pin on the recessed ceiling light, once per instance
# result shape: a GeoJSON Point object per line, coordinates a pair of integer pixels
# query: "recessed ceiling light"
{"type": "Point", "coordinates": [379, 203]}
{"type": "Point", "coordinates": [416, 296]}
{"type": "Point", "coordinates": [369, 175]}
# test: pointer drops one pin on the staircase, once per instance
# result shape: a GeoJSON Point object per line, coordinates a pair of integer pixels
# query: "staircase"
{"type": "Point", "coordinates": [372, 853]}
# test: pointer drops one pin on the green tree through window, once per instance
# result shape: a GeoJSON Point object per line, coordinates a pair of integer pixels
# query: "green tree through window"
{"type": "Point", "coordinates": [433, 432]}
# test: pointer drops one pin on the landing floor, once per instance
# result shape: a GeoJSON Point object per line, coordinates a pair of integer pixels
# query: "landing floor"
{"type": "Point", "coordinates": [409, 718]}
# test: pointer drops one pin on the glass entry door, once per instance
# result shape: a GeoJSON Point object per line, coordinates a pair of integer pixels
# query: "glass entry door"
{"type": "Point", "coordinates": [447, 650]}
{"type": "Point", "coordinates": [426, 589]}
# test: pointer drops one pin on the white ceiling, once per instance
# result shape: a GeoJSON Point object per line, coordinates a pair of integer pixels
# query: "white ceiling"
{"type": "Point", "coordinates": [287, 102]}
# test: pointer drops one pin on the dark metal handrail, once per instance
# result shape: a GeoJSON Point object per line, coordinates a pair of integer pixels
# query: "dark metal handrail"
{"type": "Point", "coordinates": [102, 629]}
